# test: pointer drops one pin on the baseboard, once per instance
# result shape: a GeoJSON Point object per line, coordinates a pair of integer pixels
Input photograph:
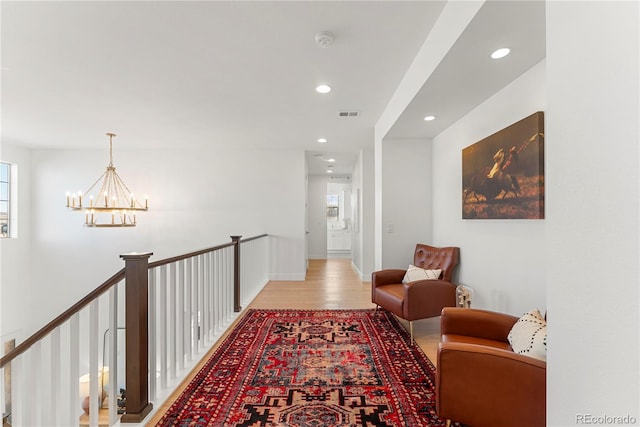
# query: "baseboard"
{"type": "Point", "coordinates": [355, 267]}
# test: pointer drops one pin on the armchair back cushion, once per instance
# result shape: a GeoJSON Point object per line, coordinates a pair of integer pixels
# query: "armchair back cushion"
{"type": "Point", "coordinates": [432, 258]}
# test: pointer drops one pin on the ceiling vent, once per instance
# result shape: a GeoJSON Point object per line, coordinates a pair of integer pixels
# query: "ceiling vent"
{"type": "Point", "coordinates": [348, 113]}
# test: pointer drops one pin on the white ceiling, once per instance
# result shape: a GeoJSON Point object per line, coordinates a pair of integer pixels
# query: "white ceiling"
{"type": "Point", "coordinates": [242, 74]}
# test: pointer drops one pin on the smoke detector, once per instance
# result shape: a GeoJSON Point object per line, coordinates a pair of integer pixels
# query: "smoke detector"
{"type": "Point", "coordinates": [324, 39]}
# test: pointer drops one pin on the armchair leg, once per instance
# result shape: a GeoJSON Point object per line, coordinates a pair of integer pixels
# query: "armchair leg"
{"type": "Point", "coordinates": [448, 423]}
{"type": "Point", "coordinates": [411, 332]}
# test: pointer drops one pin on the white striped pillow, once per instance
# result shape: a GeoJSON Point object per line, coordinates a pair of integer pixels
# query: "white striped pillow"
{"type": "Point", "coordinates": [416, 273]}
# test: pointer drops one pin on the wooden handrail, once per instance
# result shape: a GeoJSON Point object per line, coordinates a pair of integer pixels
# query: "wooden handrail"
{"type": "Point", "coordinates": [189, 255]}
{"type": "Point", "coordinates": [248, 239]}
{"type": "Point", "coordinates": [104, 287]}
{"type": "Point", "coordinates": [49, 327]}
{"type": "Point", "coordinates": [177, 258]}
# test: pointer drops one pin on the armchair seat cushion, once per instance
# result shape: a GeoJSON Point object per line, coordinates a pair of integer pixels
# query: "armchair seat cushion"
{"type": "Point", "coordinates": [465, 339]}
{"type": "Point", "coordinates": [392, 298]}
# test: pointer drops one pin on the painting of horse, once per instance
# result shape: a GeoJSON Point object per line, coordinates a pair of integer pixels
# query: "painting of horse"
{"type": "Point", "coordinates": [503, 174]}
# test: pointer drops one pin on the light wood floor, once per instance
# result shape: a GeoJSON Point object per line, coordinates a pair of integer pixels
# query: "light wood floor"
{"type": "Point", "coordinates": [330, 283]}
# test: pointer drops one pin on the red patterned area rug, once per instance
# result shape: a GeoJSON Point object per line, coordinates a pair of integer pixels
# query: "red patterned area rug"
{"type": "Point", "coordinates": [311, 368]}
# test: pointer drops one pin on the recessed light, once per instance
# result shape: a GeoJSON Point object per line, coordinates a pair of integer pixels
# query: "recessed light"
{"type": "Point", "coordinates": [501, 53]}
{"type": "Point", "coordinates": [429, 118]}
{"type": "Point", "coordinates": [322, 140]}
{"type": "Point", "coordinates": [329, 171]}
{"type": "Point", "coordinates": [323, 89]}
{"type": "Point", "coordinates": [331, 160]}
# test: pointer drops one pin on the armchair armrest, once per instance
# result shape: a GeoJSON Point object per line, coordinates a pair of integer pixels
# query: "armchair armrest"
{"type": "Point", "coordinates": [387, 277]}
{"type": "Point", "coordinates": [475, 383]}
{"type": "Point", "coordinates": [413, 289]}
{"type": "Point", "coordinates": [476, 323]}
{"type": "Point", "coordinates": [425, 298]}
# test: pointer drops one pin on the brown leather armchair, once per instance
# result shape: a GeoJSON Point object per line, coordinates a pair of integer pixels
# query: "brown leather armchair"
{"type": "Point", "coordinates": [480, 381]}
{"type": "Point", "coordinates": [423, 298]}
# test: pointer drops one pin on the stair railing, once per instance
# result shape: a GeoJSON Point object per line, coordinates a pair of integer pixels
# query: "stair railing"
{"type": "Point", "coordinates": [174, 310]}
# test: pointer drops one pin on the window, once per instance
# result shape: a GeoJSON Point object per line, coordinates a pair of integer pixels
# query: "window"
{"type": "Point", "coordinates": [5, 199]}
{"type": "Point", "coordinates": [333, 203]}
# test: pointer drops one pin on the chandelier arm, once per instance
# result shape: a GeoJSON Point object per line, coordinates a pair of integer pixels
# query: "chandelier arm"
{"type": "Point", "coordinates": [103, 191]}
{"type": "Point", "coordinates": [94, 184]}
{"type": "Point", "coordinates": [128, 194]}
{"type": "Point", "coordinates": [110, 184]}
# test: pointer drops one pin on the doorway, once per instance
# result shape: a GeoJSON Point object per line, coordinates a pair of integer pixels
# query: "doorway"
{"type": "Point", "coordinates": [339, 221]}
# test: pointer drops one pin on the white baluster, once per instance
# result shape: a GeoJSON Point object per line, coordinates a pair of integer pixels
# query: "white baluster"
{"type": "Point", "coordinates": [163, 327]}
{"type": "Point", "coordinates": [74, 370]}
{"type": "Point", "coordinates": [173, 316]}
{"type": "Point", "coordinates": [181, 336]}
{"type": "Point", "coordinates": [190, 321]}
{"type": "Point", "coordinates": [55, 390]}
{"type": "Point", "coordinates": [18, 394]}
{"type": "Point", "coordinates": [195, 286]}
{"type": "Point", "coordinates": [153, 333]}
{"type": "Point", "coordinates": [112, 357]}
{"type": "Point", "coordinates": [95, 393]}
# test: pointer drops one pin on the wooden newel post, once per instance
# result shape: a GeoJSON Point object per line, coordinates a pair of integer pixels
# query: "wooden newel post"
{"type": "Point", "coordinates": [137, 336]}
{"type": "Point", "coordinates": [236, 273]}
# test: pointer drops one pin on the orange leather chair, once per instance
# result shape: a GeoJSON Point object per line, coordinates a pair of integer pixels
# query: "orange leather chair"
{"type": "Point", "coordinates": [419, 299]}
{"type": "Point", "coordinates": [480, 381]}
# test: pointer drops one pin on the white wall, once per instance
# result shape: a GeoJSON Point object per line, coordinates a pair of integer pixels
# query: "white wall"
{"type": "Point", "coordinates": [368, 219]}
{"type": "Point", "coordinates": [407, 202]}
{"type": "Point", "coordinates": [592, 235]}
{"type": "Point", "coordinates": [502, 260]}
{"type": "Point", "coordinates": [15, 253]}
{"type": "Point", "coordinates": [362, 187]}
{"type": "Point", "coordinates": [356, 231]}
{"type": "Point", "coordinates": [197, 200]}
{"type": "Point", "coordinates": [316, 211]}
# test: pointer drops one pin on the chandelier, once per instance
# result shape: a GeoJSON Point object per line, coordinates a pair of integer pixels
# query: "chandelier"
{"type": "Point", "coordinates": [111, 204]}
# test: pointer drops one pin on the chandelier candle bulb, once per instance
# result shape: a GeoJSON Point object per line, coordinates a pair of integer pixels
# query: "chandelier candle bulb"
{"type": "Point", "coordinates": [146, 202]}
{"type": "Point", "coordinates": [80, 198]}
{"type": "Point", "coordinates": [90, 201]}
{"type": "Point", "coordinates": [68, 194]}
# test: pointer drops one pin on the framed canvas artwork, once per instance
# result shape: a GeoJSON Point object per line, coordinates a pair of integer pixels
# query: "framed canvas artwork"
{"type": "Point", "coordinates": [503, 174]}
